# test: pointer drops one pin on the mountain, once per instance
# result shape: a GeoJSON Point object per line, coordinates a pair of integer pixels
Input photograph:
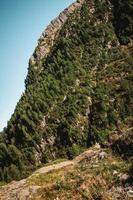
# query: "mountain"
{"type": "Point", "coordinates": [78, 90]}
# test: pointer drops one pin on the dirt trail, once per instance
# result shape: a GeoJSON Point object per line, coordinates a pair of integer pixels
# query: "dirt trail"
{"type": "Point", "coordinates": [20, 190]}
{"type": "Point", "coordinates": [47, 169]}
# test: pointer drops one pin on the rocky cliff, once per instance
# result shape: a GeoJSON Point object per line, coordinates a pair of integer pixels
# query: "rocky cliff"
{"type": "Point", "coordinates": [78, 90]}
{"type": "Point", "coordinates": [48, 37]}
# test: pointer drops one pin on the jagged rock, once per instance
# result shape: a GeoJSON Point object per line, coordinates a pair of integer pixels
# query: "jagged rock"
{"type": "Point", "coordinates": [50, 34]}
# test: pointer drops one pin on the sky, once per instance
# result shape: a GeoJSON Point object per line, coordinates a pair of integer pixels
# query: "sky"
{"type": "Point", "coordinates": [21, 24]}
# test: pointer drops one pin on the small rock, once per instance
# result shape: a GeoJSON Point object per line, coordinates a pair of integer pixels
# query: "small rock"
{"type": "Point", "coordinates": [102, 155]}
{"type": "Point", "coordinates": [77, 82]}
{"type": "Point", "coordinates": [115, 172]}
{"type": "Point", "coordinates": [130, 193]}
{"type": "Point", "coordinates": [97, 146]}
{"type": "Point", "coordinates": [124, 177]}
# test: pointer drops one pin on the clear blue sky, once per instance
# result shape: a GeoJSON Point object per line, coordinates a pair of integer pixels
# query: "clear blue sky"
{"type": "Point", "coordinates": [21, 24]}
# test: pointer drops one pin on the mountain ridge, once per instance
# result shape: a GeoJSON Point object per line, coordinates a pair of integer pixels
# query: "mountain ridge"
{"type": "Point", "coordinates": [81, 95]}
{"type": "Point", "coordinates": [49, 35]}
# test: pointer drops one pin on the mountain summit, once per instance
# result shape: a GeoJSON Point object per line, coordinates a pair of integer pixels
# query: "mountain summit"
{"type": "Point", "coordinates": [78, 90]}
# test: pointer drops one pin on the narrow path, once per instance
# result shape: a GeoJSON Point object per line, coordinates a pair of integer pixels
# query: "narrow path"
{"type": "Point", "coordinates": [20, 190]}
{"type": "Point", "coordinates": [47, 169]}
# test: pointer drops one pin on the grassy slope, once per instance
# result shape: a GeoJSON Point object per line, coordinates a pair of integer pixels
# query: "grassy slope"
{"type": "Point", "coordinates": [95, 174]}
{"type": "Point", "coordinates": [91, 179]}
{"type": "Point", "coordinates": [86, 70]}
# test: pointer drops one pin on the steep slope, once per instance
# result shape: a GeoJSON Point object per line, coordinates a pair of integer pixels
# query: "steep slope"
{"type": "Point", "coordinates": [78, 91]}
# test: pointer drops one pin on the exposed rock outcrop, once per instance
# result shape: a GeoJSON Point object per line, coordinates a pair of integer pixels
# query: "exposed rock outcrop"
{"type": "Point", "coordinates": [48, 37]}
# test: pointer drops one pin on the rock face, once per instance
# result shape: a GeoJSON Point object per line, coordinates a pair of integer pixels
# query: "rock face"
{"type": "Point", "coordinates": [48, 37]}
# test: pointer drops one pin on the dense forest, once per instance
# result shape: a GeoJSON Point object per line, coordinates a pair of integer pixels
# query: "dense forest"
{"type": "Point", "coordinates": [123, 19]}
{"type": "Point", "coordinates": [82, 94]}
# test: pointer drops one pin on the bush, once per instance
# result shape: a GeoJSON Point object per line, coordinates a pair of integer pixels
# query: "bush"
{"type": "Point", "coordinates": [73, 151]}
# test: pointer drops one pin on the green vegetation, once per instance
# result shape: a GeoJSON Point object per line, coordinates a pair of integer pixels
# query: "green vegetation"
{"type": "Point", "coordinates": [84, 88]}
{"type": "Point", "coordinates": [87, 180]}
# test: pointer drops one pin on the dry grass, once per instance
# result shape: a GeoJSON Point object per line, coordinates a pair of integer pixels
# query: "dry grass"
{"type": "Point", "coordinates": [89, 180]}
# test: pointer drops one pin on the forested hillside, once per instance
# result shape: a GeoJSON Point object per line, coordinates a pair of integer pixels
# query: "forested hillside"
{"type": "Point", "coordinates": [79, 94]}
{"type": "Point", "coordinates": [123, 20]}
